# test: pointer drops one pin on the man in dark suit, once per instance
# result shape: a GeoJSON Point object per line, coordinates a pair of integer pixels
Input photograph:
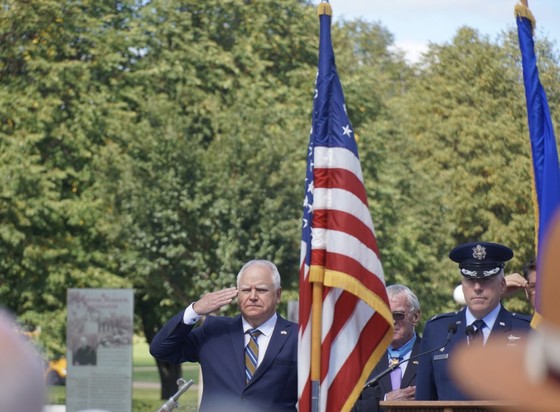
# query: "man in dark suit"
{"type": "Point", "coordinates": [399, 384]}
{"type": "Point", "coordinates": [85, 354]}
{"type": "Point", "coordinates": [248, 362]}
{"type": "Point", "coordinates": [481, 265]}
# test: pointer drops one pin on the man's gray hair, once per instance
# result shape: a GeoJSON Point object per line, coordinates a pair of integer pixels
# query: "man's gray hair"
{"type": "Point", "coordinates": [398, 289]}
{"type": "Point", "coordinates": [273, 271]}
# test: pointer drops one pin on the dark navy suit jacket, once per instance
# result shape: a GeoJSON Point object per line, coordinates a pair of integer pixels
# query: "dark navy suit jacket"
{"type": "Point", "coordinates": [433, 381]}
{"type": "Point", "coordinates": [218, 345]}
{"type": "Point", "coordinates": [370, 397]}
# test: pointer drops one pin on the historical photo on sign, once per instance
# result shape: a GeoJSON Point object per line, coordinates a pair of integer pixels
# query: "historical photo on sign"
{"type": "Point", "coordinates": [99, 349]}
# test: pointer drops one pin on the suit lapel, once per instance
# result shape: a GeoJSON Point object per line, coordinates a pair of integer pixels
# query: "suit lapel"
{"type": "Point", "coordinates": [409, 374]}
{"type": "Point", "coordinates": [238, 344]}
{"type": "Point", "coordinates": [459, 337]}
{"type": "Point", "coordinates": [501, 326]}
{"type": "Point", "coordinates": [411, 366]}
{"type": "Point", "coordinates": [279, 337]}
{"type": "Point", "coordinates": [385, 382]}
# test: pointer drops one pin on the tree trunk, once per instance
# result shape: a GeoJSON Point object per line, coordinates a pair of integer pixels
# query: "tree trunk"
{"type": "Point", "coordinates": [168, 374]}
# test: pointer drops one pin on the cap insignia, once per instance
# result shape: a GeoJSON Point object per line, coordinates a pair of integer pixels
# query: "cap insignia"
{"type": "Point", "coordinates": [491, 272]}
{"type": "Point", "coordinates": [470, 273]}
{"type": "Point", "coordinates": [479, 252]}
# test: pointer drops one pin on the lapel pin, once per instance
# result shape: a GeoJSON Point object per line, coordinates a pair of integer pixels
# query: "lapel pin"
{"type": "Point", "coordinates": [502, 324]}
{"type": "Point", "coordinates": [283, 332]}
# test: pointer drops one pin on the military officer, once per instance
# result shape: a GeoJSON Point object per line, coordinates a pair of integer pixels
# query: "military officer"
{"type": "Point", "coordinates": [481, 265]}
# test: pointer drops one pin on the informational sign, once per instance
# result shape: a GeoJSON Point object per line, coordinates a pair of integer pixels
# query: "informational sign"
{"type": "Point", "coordinates": [99, 349]}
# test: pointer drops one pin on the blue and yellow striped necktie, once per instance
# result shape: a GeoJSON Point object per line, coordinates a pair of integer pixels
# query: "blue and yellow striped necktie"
{"type": "Point", "coordinates": [251, 354]}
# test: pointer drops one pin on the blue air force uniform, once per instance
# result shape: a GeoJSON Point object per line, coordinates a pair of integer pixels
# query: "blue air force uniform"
{"type": "Point", "coordinates": [433, 381]}
{"type": "Point", "coordinates": [476, 260]}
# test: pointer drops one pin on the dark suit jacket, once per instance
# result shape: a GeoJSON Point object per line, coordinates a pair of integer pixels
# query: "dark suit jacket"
{"type": "Point", "coordinates": [433, 381]}
{"type": "Point", "coordinates": [85, 355]}
{"type": "Point", "coordinates": [370, 397]}
{"type": "Point", "coordinates": [218, 345]}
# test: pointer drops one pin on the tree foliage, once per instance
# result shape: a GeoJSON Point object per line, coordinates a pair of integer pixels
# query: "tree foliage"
{"type": "Point", "coordinates": [161, 144]}
{"type": "Point", "coordinates": [57, 110]}
{"type": "Point", "coordinates": [469, 156]}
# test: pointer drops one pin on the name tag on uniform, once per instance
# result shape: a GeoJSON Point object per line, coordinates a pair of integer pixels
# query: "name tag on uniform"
{"type": "Point", "coordinates": [442, 356]}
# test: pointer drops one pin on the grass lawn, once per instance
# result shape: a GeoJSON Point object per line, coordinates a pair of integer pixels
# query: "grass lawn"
{"type": "Point", "coordinates": [145, 397]}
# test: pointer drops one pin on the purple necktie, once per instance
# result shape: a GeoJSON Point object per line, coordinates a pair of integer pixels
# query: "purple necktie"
{"type": "Point", "coordinates": [396, 375]}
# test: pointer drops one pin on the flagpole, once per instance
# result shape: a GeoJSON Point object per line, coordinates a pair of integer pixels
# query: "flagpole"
{"type": "Point", "coordinates": [324, 8]}
{"type": "Point", "coordinates": [316, 327]}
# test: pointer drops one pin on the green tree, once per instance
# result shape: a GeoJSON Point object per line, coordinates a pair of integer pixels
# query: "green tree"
{"type": "Point", "coordinates": [465, 141]}
{"type": "Point", "coordinates": [210, 181]}
{"type": "Point", "coordinates": [160, 145]}
{"type": "Point", "coordinates": [59, 62]}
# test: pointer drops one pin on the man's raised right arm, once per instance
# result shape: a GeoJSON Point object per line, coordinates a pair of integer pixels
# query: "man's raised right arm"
{"type": "Point", "coordinates": [172, 342]}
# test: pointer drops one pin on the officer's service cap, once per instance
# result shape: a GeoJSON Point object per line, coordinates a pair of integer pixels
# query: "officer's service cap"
{"type": "Point", "coordinates": [480, 259]}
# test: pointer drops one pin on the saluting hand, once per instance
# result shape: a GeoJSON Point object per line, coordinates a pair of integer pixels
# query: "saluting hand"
{"type": "Point", "coordinates": [214, 301]}
{"type": "Point", "coordinates": [515, 282]}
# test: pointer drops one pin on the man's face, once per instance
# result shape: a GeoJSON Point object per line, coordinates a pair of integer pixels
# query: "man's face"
{"type": "Point", "coordinates": [483, 295]}
{"type": "Point", "coordinates": [404, 329]}
{"type": "Point", "coordinates": [257, 296]}
{"type": "Point", "coordinates": [531, 290]}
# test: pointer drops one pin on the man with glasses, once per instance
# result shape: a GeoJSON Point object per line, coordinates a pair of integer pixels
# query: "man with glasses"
{"type": "Point", "coordinates": [399, 384]}
{"type": "Point", "coordinates": [481, 265]}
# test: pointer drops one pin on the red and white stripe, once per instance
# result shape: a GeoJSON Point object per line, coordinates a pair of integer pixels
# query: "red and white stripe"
{"type": "Point", "coordinates": [356, 320]}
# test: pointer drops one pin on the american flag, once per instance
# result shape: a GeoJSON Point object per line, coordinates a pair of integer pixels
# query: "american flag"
{"type": "Point", "coordinates": [339, 253]}
{"type": "Point", "coordinates": [544, 152]}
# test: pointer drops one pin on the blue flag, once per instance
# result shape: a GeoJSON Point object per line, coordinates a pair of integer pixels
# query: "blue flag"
{"type": "Point", "coordinates": [543, 142]}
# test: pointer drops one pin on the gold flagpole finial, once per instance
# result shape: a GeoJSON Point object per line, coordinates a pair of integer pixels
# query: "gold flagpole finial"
{"type": "Point", "coordinates": [324, 8]}
{"type": "Point", "coordinates": [522, 10]}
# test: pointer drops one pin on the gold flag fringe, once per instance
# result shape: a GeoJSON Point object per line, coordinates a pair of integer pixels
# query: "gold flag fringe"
{"type": "Point", "coordinates": [324, 8]}
{"type": "Point", "coordinates": [522, 11]}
